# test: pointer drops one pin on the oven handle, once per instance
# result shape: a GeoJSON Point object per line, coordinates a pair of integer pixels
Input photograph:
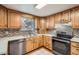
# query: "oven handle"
{"type": "Point", "coordinates": [62, 40]}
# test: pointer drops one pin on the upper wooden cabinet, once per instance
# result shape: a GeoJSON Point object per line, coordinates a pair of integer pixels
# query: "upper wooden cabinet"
{"type": "Point", "coordinates": [63, 17]}
{"type": "Point", "coordinates": [14, 19]}
{"type": "Point", "coordinates": [37, 24]}
{"type": "Point", "coordinates": [40, 25]}
{"type": "Point", "coordinates": [66, 16]}
{"type": "Point", "coordinates": [3, 17]}
{"type": "Point", "coordinates": [75, 17]}
{"type": "Point", "coordinates": [50, 22]}
{"type": "Point", "coordinates": [58, 18]}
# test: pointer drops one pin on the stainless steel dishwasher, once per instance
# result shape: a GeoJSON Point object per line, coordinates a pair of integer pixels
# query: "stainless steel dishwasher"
{"type": "Point", "coordinates": [16, 47]}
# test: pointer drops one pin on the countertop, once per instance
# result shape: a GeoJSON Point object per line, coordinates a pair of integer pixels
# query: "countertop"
{"type": "Point", "coordinates": [74, 39]}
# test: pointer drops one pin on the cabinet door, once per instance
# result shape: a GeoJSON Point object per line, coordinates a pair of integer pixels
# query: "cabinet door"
{"type": "Point", "coordinates": [75, 17]}
{"type": "Point", "coordinates": [48, 42]}
{"type": "Point", "coordinates": [47, 23]}
{"type": "Point", "coordinates": [29, 45]}
{"type": "Point", "coordinates": [74, 50]}
{"type": "Point", "coordinates": [40, 40]}
{"type": "Point", "coordinates": [66, 16]}
{"type": "Point", "coordinates": [50, 22]}
{"type": "Point", "coordinates": [14, 19]}
{"type": "Point", "coordinates": [35, 42]}
{"type": "Point", "coordinates": [37, 24]}
{"type": "Point", "coordinates": [57, 18]}
{"type": "Point", "coordinates": [3, 17]}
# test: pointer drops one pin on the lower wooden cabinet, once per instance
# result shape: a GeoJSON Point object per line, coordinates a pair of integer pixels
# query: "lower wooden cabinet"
{"type": "Point", "coordinates": [74, 48]}
{"type": "Point", "coordinates": [48, 42]}
{"type": "Point", "coordinates": [33, 43]}
{"type": "Point", "coordinates": [38, 41]}
{"type": "Point", "coordinates": [29, 45]}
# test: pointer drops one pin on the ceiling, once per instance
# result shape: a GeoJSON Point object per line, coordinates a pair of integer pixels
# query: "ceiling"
{"type": "Point", "coordinates": [45, 11]}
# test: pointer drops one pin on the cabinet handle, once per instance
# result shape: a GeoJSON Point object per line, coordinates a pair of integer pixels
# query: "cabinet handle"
{"type": "Point", "coordinates": [77, 49]}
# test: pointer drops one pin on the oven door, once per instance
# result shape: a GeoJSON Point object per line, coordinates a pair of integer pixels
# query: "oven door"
{"type": "Point", "coordinates": [61, 47]}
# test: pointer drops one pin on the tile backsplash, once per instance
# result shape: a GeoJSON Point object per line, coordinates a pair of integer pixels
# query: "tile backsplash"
{"type": "Point", "coordinates": [76, 33]}
{"type": "Point", "coordinates": [7, 32]}
{"type": "Point", "coordinates": [13, 32]}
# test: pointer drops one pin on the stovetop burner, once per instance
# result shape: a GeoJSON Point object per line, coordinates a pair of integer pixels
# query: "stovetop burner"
{"type": "Point", "coordinates": [63, 37]}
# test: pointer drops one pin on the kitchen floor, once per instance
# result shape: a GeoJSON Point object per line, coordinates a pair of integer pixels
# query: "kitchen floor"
{"type": "Point", "coordinates": [41, 51]}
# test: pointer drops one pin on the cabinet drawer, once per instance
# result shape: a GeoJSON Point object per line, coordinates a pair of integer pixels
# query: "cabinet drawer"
{"type": "Point", "coordinates": [75, 44]}
{"type": "Point", "coordinates": [74, 50]}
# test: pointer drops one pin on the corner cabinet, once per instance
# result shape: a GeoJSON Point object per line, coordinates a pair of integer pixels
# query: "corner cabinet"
{"type": "Point", "coordinates": [75, 18]}
{"type": "Point", "coordinates": [33, 43]}
{"type": "Point", "coordinates": [14, 19]}
{"type": "Point", "coordinates": [3, 17]}
{"type": "Point", "coordinates": [48, 42]}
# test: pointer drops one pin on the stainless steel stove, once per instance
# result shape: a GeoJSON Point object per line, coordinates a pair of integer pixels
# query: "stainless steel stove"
{"type": "Point", "coordinates": [61, 44]}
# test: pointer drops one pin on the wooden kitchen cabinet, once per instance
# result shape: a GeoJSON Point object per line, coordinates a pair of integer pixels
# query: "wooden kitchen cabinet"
{"type": "Point", "coordinates": [36, 42]}
{"type": "Point", "coordinates": [50, 22]}
{"type": "Point", "coordinates": [40, 40]}
{"type": "Point", "coordinates": [3, 17]}
{"type": "Point", "coordinates": [58, 18]}
{"type": "Point", "coordinates": [42, 25]}
{"type": "Point", "coordinates": [14, 19]}
{"type": "Point", "coordinates": [47, 22]}
{"type": "Point", "coordinates": [74, 48]}
{"type": "Point", "coordinates": [29, 45]}
{"type": "Point", "coordinates": [37, 24]}
{"type": "Point", "coordinates": [48, 42]}
{"type": "Point", "coordinates": [66, 16]}
{"type": "Point", "coordinates": [75, 18]}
